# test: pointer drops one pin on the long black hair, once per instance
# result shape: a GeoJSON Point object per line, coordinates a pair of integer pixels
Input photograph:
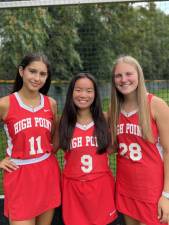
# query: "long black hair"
{"type": "Point", "coordinates": [69, 118]}
{"type": "Point", "coordinates": [28, 59]}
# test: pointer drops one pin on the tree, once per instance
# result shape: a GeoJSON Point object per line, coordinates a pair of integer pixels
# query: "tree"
{"type": "Point", "coordinates": [95, 41]}
{"type": "Point", "coordinates": [21, 31]}
{"type": "Point", "coordinates": [63, 36]}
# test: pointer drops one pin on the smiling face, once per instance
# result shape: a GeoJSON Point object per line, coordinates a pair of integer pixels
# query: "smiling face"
{"type": "Point", "coordinates": [125, 78]}
{"type": "Point", "coordinates": [83, 93]}
{"type": "Point", "coordinates": [34, 75]}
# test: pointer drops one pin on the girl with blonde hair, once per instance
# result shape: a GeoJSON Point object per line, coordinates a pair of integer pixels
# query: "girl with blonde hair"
{"type": "Point", "coordinates": [140, 127]}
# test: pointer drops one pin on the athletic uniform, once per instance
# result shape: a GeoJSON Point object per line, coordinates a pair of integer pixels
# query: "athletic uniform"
{"type": "Point", "coordinates": [34, 187]}
{"type": "Point", "coordinates": [140, 170]}
{"type": "Point", "coordinates": [88, 184]}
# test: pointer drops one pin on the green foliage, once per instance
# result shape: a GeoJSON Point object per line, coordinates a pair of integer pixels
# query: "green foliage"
{"type": "Point", "coordinates": [21, 31]}
{"type": "Point", "coordinates": [63, 36]}
{"type": "Point", "coordinates": [2, 154]}
{"type": "Point", "coordinates": [95, 45]}
{"type": "Point", "coordinates": [86, 37]}
{"type": "Point", "coordinates": [105, 104]}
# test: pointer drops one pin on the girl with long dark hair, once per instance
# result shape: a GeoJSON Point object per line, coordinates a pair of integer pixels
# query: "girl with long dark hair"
{"type": "Point", "coordinates": [84, 135]}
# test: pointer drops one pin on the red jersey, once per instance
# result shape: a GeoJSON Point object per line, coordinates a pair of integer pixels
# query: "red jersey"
{"type": "Point", "coordinates": [140, 171]}
{"type": "Point", "coordinates": [87, 184]}
{"type": "Point", "coordinates": [34, 187]}
{"type": "Point", "coordinates": [82, 161]}
{"type": "Point", "coordinates": [28, 129]}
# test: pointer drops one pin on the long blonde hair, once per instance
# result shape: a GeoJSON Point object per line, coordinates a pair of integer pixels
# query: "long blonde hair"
{"type": "Point", "coordinates": [117, 99]}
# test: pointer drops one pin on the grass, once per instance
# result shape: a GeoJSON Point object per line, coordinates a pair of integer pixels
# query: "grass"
{"type": "Point", "coordinates": [163, 93]}
{"type": "Point", "coordinates": [2, 153]}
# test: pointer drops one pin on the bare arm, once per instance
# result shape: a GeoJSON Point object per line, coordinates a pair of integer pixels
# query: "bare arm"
{"type": "Point", "coordinates": [54, 133]}
{"type": "Point", "coordinates": [160, 111]}
{"type": "Point", "coordinates": [5, 163]}
{"type": "Point", "coordinates": [4, 106]}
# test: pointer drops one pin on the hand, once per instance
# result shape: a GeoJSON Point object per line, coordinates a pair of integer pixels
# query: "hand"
{"type": "Point", "coordinates": [163, 210]}
{"type": "Point", "coordinates": [7, 165]}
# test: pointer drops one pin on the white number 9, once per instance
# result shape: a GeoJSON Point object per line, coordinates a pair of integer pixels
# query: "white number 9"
{"type": "Point", "coordinates": [87, 163]}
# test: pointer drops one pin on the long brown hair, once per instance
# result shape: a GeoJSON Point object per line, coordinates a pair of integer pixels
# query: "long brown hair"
{"type": "Point", "coordinates": [117, 99]}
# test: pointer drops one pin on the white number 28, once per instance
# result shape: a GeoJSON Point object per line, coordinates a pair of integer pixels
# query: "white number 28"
{"type": "Point", "coordinates": [134, 151]}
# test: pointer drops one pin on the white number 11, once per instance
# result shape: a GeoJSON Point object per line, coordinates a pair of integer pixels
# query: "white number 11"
{"type": "Point", "coordinates": [32, 145]}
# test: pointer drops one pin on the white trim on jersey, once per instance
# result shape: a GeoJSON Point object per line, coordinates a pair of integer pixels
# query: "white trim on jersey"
{"type": "Point", "coordinates": [85, 126]}
{"type": "Point", "coordinates": [30, 109]}
{"type": "Point", "coordinates": [128, 114]}
{"type": "Point", "coordinates": [9, 141]}
{"type": "Point", "coordinates": [30, 161]}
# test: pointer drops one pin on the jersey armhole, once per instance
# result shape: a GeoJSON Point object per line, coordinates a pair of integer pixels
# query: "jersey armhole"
{"type": "Point", "coordinates": [9, 108]}
{"type": "Point", "coordinates": [48, 103]}
{"type": "Point", "coordinates": [150, 97]}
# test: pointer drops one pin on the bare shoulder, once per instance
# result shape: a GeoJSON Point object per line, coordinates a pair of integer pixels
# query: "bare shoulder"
{"type": "Point", "coordinates": [161, 116]}
{"type": "Point", "coordinates": [4, 106]}
{"type": "Point", "coordinates": [159, 107]}
{"type": "Point", "coordinates": [52, 100]}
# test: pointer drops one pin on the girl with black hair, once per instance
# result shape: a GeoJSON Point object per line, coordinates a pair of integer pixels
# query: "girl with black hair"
{"type": "Point", "coordinates": [88, 184]}
{"type": "Point", "coordinates": [31, 172]}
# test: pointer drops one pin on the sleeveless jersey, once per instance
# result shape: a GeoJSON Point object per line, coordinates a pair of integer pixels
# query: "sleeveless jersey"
{"type": "Point", "coordinates": [82, 161]}
{"type": "Point", "coordinates": [139, 163]}
{"type": "Point", "coordinates": [28, 129]}
{"type": "Point", "coordinates": [87, 184]}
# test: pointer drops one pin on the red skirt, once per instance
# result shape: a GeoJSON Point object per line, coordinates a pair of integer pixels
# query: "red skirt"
{"type": "Point", "coordinates": [89, 202]}
{"type": "Point", "coordinates": [32, 189]}
{"type": "Point", "coordinates": [144, 212]}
